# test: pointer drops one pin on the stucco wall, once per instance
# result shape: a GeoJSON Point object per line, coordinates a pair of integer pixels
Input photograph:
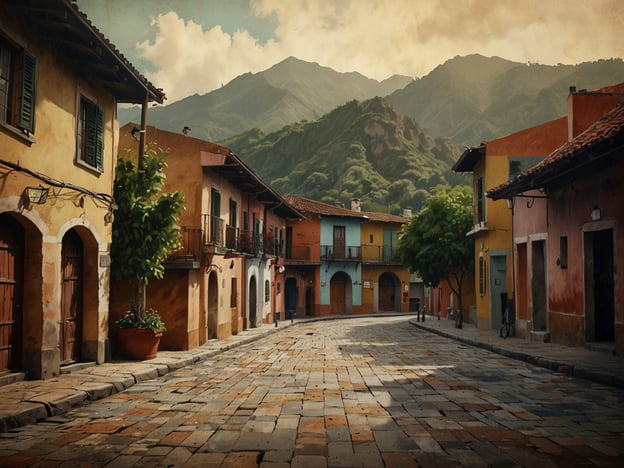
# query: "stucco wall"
{"type": "Point", "coordinates": [570, 214]}
{"type": "Point", "coordinates": [53, 154]}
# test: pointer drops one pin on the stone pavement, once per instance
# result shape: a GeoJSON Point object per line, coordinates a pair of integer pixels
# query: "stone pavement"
{"type": "Point", "coordinates": [27, 402]}
{"type": "Point", "coordinates": [591, 364]}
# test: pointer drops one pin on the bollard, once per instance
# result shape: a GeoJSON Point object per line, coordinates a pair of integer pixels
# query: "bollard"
{"type": "Point", "coordinates": [292, 316]}
{"type": "Point", "coordinates": [276, 318]}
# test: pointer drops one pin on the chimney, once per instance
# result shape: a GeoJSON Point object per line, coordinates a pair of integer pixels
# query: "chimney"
{"type": "Point", "coordinates": [355, 204]}
{"type": "Point", "coordinates": [407, 212]}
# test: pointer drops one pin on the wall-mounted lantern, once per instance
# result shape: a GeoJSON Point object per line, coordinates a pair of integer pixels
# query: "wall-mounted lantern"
{"type": "Point", "coordinates": [37, 195]}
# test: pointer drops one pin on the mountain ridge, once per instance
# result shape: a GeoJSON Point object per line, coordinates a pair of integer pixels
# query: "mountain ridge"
{"type": "Point", "coordinates": [365, 150]}
{"type": "Point", "coordinates": [287, 92]}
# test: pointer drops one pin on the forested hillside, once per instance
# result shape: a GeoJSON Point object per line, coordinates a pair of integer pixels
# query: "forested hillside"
{"type": "Point", "coordinates": [474, 98]}
{"type": "Point", "coordinates": [364, 149]}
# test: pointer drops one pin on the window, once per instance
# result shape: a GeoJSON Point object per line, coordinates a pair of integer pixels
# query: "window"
{"type": "Point", "coordinates": [90, 135]}
{"type": "Point", "coordinates": [267, 290]}
{"type": "Point", "coordinates": [480, 201]}
{"type": "Point", "coordinates": [233, 213]}
{"type": "Point", "coordinates": [514, 169]}
{"type": "Point", "coordinates": [18, 80]}
{"type": "Point", "coordinates": [481, 275]}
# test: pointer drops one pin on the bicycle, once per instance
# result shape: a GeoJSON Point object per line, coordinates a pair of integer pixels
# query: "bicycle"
{"type": "Point", "coordinates": [508, 325]}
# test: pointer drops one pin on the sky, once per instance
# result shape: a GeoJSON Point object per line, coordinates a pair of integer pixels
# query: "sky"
{"type": "Point", "coordinates": [195, 46]}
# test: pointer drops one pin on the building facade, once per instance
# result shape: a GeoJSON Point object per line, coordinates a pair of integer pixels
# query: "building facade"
{"type": "Point", "coordinates": [61, 83]}
{"type": "Point", "coordinates": [227, 276]}
{"type": "Point", "coordinates": [492, 163]}
{"type": "Point", "coordinates": [568, 247]}
{"type": "Point", "coordinates": [341, 261]}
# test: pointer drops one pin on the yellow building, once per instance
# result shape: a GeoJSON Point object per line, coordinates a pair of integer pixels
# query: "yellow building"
{"type": "Point", "coordinates": [492, 163]}
{"type": "Point", "coordinates": [61, 83]}
{"type": "Point", "coordinates": [385, 281]}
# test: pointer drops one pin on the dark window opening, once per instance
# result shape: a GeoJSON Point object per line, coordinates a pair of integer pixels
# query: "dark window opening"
{"type": "Point", "coordinates": [90, 135]}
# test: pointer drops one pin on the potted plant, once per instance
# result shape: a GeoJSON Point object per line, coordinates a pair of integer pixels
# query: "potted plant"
{"type": "Point", "coordinates": [144, 232]}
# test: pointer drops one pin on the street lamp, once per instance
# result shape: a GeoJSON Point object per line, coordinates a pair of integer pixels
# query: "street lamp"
{"type": "Point", "coordinates": [37, 195]}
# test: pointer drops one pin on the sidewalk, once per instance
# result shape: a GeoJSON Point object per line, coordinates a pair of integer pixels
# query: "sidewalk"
{"type": "Point", "coordinates": [591, 364]}
{"type": "Point", "coordinates": [26, 402]}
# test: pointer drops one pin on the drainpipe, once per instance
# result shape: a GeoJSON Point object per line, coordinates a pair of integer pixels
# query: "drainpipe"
{"type": "Point", "coordinates": [142, 131]}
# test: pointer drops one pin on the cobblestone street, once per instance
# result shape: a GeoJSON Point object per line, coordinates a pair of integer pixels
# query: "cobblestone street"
{"type": "Point", "coordinates": [368, 392]}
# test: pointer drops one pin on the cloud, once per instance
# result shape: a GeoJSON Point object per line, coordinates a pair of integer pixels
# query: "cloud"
{"type": "Point", "coordinates": [379, 38]}
{"type": "Point", "coordinates": [190, 60]}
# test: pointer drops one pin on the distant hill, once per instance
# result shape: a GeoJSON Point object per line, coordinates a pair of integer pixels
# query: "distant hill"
{"type": "Point", "coordinates": [364, 149]}
{"type": "Point", "coordinates": [290, 91]}
{"type": "Point", "coordinates": [474, 98]}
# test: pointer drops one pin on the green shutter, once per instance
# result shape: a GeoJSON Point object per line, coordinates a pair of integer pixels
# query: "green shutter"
{"type": "Point", "coordinates": [95, 137]}
{"type": "Point", "coordinates": [28, 93]}
{"type": "Point", "coordinates": [99, 147]}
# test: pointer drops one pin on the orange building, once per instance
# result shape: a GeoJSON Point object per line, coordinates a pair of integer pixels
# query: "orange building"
{"type": "Point", "coordinates": [227, 276]}
{"type": "Point", "coordinates": [60, 86]}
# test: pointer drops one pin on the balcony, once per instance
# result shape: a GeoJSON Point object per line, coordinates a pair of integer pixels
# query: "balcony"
{"type": "Point", "coordinates": [300, 255]}
{"type": "Point", "coordinates": [334, 252]}
{"type": "Point", "coordinates": [216, 237]}
{"type": "Point", "coordinates": [189, 254]}
{"type": "Point", "coordinates": [379, 254]}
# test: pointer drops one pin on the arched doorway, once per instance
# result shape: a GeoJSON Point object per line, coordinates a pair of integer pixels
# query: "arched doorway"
{"type": "Point", "coordinates": [253, 302]}
{"type": "Point", "coordinates": [72, 266]}
{"type": "Point", "coordinates": [213, 306]}
{"type": "Point", "coordinates": [340, 294]}
{"type": "Point", "coordinates": [389, 292]}
{"type": "Point", "coordinates": [11, 292]}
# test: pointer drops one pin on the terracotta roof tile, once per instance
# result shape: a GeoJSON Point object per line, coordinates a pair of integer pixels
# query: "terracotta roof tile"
{"type": "Point", "coordinates": [305, 205]}
{"type": "Point", "coordinates": [385, 217]}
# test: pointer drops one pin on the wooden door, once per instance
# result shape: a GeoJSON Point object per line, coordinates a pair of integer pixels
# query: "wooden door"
{"type": "Point", "coordinates": [253, 303]}
{"type": "Point", "coordinates": [339, 242]}
{"type": "Point", "coordinates": [337, 294]}
{"type": "Point", "coordinates": [71, 298]}
{"type": "Point", "coordinates": [386, 293]}
{"type": "Point", "coordinates": [11, 287]}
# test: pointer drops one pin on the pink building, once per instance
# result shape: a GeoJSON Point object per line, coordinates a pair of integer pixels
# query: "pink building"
{"type": "Point", "coordinates": [568, 229]}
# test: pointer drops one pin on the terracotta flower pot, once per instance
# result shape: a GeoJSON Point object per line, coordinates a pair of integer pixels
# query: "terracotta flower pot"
{"type": "Point", "coordinates": [138, 343]}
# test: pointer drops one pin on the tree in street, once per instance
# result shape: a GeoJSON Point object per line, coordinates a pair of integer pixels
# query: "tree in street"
{"type": "Point", "coordinates": [434, 242]}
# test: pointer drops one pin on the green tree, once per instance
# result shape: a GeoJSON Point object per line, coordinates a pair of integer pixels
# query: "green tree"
{"type": "Point", "coordinates": [145, 227]}
{"type": "Point", "coordinates": [434, 242]}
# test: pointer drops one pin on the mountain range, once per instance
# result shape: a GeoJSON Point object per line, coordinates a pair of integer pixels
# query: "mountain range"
{"type": "Point", "coordinates": [329, 136]}
{"type": "Point", "coordinates": [468, 99]}
{"type": "Point", "coordinates": [290, 91]}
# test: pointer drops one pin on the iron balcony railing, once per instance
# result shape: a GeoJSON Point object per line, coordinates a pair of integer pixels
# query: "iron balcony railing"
{"type": "Point", "coordinates": [379, 254]}
{"type": "Point", "coordinates": [334, 252]}
{"type": "Point", "coordinates": [215, 232]}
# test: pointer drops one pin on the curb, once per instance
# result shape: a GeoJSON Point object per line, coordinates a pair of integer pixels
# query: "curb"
{"type": "Point", "coordinates": [547, 363]}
